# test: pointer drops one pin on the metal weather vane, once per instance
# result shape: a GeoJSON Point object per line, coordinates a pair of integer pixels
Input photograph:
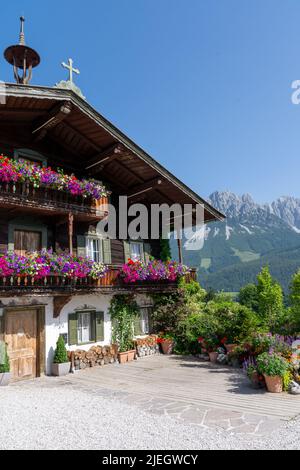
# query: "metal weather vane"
{"type": "Point", "coordinates": [22, 57]}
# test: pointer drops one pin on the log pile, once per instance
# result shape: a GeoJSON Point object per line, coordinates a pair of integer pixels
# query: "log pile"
{"type": "Point", "coordinates": [147, 346]}
{"type": "Point", "coordinates": [96, 356]}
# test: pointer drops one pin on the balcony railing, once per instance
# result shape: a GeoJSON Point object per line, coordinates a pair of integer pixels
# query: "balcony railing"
{"type": "Point", "coordinates": [111, 280]}
{"type": "Point", "coordinates": [43, 198]}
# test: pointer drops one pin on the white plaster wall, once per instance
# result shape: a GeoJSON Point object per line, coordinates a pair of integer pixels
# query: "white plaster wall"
{"type": "Point", "coordinates": [57, 326]}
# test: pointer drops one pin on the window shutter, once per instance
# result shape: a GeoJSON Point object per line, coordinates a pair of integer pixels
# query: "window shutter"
{"type": "Point", "coordinates": [147, 252]}
{"type": "Point", "coordinates": [127, 252]}
{"type": "Point", "coordinates": [106, 251]}
{"type": "Point", "coordinates": [137, 327]}
{"type": "Point", "coordinates": [81, 245]}
{"type": "Point", "coordinates": [73, 329]}
{"type": "Point", "coordinates": [99, 326]}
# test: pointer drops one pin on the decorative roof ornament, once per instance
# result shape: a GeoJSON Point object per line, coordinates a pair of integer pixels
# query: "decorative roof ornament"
{"type": "Point", "coordinates": [69, 84]}
{"type": "Point", "coordinates": [22, 57]}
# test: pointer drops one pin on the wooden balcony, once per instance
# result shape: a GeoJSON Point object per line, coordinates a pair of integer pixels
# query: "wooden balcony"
{"type": "Point", "coordinates": [52, 201]}
{"type": "Point", "coordinates": [59, 285]}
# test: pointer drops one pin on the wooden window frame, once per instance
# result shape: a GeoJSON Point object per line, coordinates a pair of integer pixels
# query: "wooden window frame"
{"type": "Point", "coordinates": [99, 240]}
{"type": "Point", "coordinates": [26, 228]}
{"type": "Point", "coordinates": [31, 155]}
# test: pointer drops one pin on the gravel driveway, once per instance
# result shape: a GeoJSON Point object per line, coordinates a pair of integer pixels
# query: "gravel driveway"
{"type": "Point", "coordinates": [85, 412]}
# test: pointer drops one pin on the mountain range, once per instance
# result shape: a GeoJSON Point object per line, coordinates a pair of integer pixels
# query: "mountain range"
{"type": "Point", "coordinates": [253, 235]}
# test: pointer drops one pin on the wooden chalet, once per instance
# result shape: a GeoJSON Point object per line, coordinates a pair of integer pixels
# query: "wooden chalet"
{"type": "Point", "coordinates": [57, 127]}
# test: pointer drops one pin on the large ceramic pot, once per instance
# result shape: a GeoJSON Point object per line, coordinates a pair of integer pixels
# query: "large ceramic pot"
{"type": "Point", "coordinates": [230, 347]}
{"type": "Point", "coordinates": [167, 346]}
{"type": "Point", "coordinates": [213, 356]}
{"type": "Point", "coordinates": [274, 384]}
{"type": "Point", "coordinates": [131, 355]}
{"type": "Point", "coordinates": [59, 370]}
{"type": "Point", "coordinates": [4, 379]}
{"type": "Point", "coordinates": [257, 381]}
{"type": "Point", "coordinates": [123, 357]}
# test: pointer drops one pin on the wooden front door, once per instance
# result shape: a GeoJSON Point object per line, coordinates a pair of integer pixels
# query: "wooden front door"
{"type": "Point", "coordinates": [21, 338]}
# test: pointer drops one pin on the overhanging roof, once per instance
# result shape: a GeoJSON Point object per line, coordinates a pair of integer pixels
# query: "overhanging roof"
{"type": "Point", "coordinates": [87, 137]}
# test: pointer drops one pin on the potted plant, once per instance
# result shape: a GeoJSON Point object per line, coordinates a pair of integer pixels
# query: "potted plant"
{"type": "Point", "coordinates": [123, 311]}
{"type": "Point", "coordinates": [61, 364]}
{"type": "Point", "coordinates": [273, 367]}
{"type": "Point", "coordinates": [167, 343]}
{"type": "Point", "coordinates": [212, 344]}
{"type": "Point", "coordinates": [5, 369]}
{"type": "Point", "coordinates": [250, 367]}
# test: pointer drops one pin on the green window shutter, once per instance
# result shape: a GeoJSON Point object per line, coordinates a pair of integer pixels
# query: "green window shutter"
{"type": "Point", "coordinates": [99, 326]}
{"type": "Point", "coordinates": [147, 252]}
{"type": "Point", "coordinates": [137, 326]}
{"type": "Point", "coordinates": [127, 252]}
{"type": "Point", "coordinates": [73, 329]}
{"type": "Point", "coordinates": [106, 243]}
{"type": "Point", "coordinates": [81, 245]}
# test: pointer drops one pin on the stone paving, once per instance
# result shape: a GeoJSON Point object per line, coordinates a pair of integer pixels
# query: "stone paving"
{"type": "Point", "coordinates": [190, 391]}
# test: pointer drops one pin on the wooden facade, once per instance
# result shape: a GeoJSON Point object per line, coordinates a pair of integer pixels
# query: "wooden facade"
{"type": "Point", "coordinates": [59, 129]}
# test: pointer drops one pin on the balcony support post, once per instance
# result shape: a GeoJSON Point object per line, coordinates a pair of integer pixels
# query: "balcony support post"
{"type": "Point", "coordinates": [179, 244]}
{"type": "Point", "coordinates": [71, 231]}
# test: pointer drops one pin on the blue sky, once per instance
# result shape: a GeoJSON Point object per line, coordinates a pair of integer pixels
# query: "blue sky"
{"type": "Point", "coordinates": [203, 85]}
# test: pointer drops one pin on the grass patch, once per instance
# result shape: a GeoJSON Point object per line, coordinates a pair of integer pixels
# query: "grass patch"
{"type": "Point", "coordinates": [246, 256]}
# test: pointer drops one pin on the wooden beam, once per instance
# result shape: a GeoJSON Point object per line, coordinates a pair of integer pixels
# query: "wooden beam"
{"type": "Point", "coordinates": [59, 303]}
{"type": "Point", "coordinates": [97, 163]}
{"type": "Point", "coordinates": [54, 117]}
{"type": "Point", "coordinates": [179, 244]}
{"type": "Point", "coordinates": [71, 231]}
{"type": "Point", "coordinates": [144, 187]}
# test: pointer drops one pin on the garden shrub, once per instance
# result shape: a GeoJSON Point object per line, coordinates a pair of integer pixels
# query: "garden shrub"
{"type": "Point", "coordinates": [123, 311]}
{"type": "Point", "coordinates": [61, 354]}
{"type": "Point", "coordinates": [5, 367]}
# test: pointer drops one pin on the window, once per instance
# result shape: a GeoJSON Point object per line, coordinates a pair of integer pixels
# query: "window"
{"type": "Point", "coordinates": [27, 241]}
{"type": "Point", "coordinates": [84, 327]}
{"type": "Point", "coordinates": [94, 249]}
{"type": "Point", "coordinates": [142, 323]}
{"type": "Point", "coordinates": [30, 156]}
{"type": "Point", "coordinates": [136, 251]}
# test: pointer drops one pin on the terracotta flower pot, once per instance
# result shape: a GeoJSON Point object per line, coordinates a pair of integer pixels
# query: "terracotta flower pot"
{"type": "Point", "coordinates": [257, 381]}
{"type": "Point", "coordinates": [274, 384]}
{"type": "Point", "coordinates": [167, 346]}
{"type": "Point", "coordinates": [131, 355]}
{"type": "Point", "coordinates": [123, 357]}
{"type": "Point", "coordinates": [230, 347]}
{"type": "Point", "coordinates": [213, 357]}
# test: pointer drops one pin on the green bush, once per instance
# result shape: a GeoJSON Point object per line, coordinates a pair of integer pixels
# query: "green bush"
{"type": "Point", "coordinates": [61, 354]}
{"type": "Point", "coordinates": [123, 311]}
{"type": "Point", "coordinates": [5, 367]}
{"type": "Point", "coordinates": [272, 365]}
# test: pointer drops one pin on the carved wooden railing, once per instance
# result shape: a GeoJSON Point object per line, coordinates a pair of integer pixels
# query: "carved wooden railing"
{"type": "Point", "coordinates": [111, 279]}
{"type": "Point", "coordinates": [25, 194]}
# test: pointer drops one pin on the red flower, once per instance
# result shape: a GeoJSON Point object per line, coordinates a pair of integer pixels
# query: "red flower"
{"type": "Point", "coordinates": [224, 340]}
{"type": "Point", "coordinates": [200, 340]}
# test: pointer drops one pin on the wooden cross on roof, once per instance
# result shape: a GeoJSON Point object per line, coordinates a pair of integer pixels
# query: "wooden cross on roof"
{"type": "Point", "coordinates": [71, 69]}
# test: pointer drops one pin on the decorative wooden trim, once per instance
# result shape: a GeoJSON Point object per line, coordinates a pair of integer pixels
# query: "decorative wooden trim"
{"type": "Point", "coordinates": [41, 342]}
{"type": "Point", "coordinates": [59, 302]}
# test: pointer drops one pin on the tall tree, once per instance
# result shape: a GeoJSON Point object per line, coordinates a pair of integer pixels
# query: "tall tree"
{"type": "Point", "coordinates": [270, 299]}
{"type": "Point", "coordinates": [248, 296]}
{"type": "Point", "coordinates": [295, 297]}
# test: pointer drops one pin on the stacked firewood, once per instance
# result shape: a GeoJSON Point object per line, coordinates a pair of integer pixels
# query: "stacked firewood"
{"type": "Point", "coordinates": [96, 356]}
{"type": "Point", "coordinates": [147, 346]}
